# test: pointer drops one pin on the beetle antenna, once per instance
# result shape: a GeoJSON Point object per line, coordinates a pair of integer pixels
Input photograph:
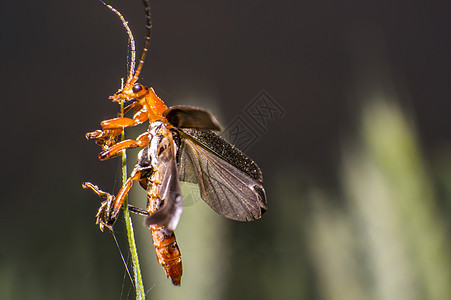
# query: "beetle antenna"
{"type": "Point", "coordinates": [146, 41]}
{"type": "Point", "coordinates": [131, 40]}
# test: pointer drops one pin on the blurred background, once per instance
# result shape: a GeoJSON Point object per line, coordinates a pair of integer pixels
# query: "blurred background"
{"type": "Point", "coordinates": [344, 105]}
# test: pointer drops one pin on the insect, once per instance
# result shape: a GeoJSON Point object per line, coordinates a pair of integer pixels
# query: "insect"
{"type": "Point", "coordinates": [179, 145]}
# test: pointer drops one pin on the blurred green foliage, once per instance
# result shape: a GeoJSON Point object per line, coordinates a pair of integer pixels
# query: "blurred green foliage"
{"type": "Point", "coordinates": [388, 240]}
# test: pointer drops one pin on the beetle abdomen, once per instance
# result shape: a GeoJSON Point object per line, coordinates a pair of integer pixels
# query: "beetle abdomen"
{"type": "Point", "coordinates": [168, 252]}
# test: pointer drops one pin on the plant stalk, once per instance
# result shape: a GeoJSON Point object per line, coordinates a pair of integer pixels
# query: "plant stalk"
{"type": "Point", "coordinates": [139, 286]}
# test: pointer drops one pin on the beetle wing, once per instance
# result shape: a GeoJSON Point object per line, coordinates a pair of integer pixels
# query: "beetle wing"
{"type": "Point", "coordinates": [169, 213]}
{"type": "Point", "coordinates": [187, 170]}
{"type": "Point", "coordinates": [223, 149]}
{"type": "Point", "coordinates": [191, 117]}
{"type": "Point", "coordinates": [228, 190]}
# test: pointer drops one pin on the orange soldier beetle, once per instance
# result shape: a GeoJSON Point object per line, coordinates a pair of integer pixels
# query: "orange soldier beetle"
{"type": "Point", "coordinates": [179, 145]}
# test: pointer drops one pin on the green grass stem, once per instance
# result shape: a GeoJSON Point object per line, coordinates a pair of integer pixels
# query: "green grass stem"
{"type": "Point", "coordinates": [139, 286]}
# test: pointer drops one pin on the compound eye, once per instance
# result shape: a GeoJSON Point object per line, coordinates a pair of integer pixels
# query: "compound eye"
{"type": "Point", "coordinates": [137, 88]}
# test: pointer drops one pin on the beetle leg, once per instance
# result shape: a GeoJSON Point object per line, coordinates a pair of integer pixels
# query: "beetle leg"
{"type": "Point", "coordinates": [104, 138]}
{"type": "Point", "coordinates": [138, 118]}
{"type": "Point", "coordinates": [138, 211]}
{"type": "Point", "coordinates": [141, 141]}
{"type": "Point", "coordinates": [118, 123]}
{"type": "Point", "coordinates": [111, 128]}
{"type": "Point", "coordinates": [104, 213]}
{"type": "Point", "coordinates": [119, 200]}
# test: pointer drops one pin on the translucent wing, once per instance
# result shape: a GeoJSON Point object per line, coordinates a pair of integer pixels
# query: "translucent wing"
{"type": "Point", "coordinates": [230, 191]}
{"type": "Point", "coordinates": [224, 150]}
